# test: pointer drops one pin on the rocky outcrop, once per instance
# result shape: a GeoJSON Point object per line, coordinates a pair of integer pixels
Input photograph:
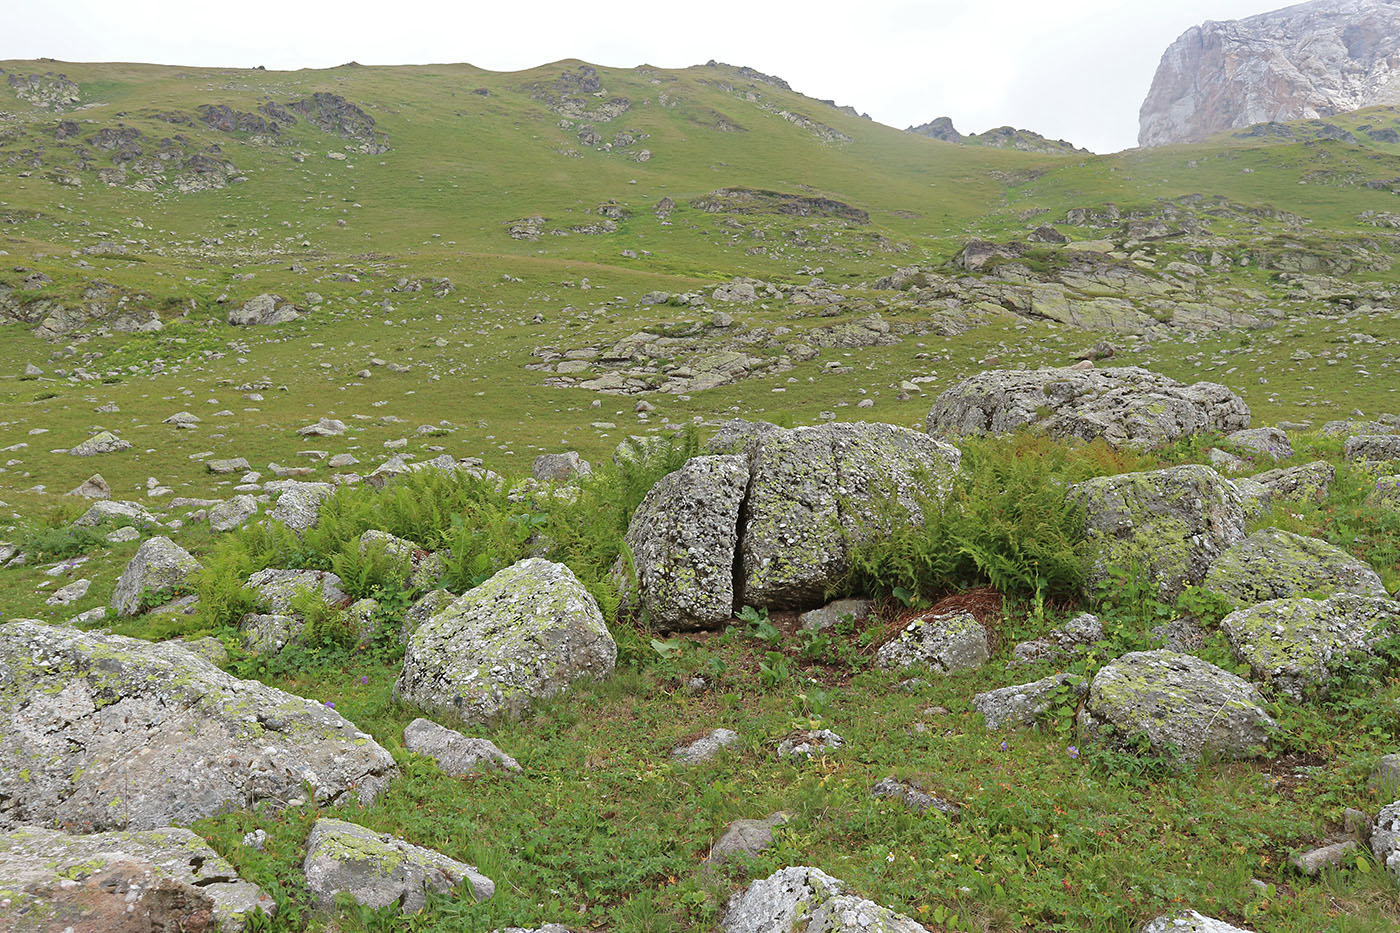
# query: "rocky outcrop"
{"type": "Point", "coordinates": [159, 566]}
{"type": "Point", "coordinates": [798, 899]}
{"type": "Point", "coordinates": [263, 310]}
{"type": "Point", "coordinates": [1300, 63]}
{"type": "Point", "coordinates": [159, 879]}
{"type": "Point", "coordinates": [1127, 407]}
{"type": "Point", "coordinates": [1277, 564]}
{"type": "Point", "coordinates": [1179, 703]}
{"type": "Point", "coordinates": [1297, 644]}
{"type": "Point", "coordinates": [104, 732]}
{"type": "Point", "coordinates": [521, 636]}
{"type": "Point", "coordinates": [1170, 525]}
{"type": "Point", "coordinates": [1001, 137]}
{"type": "Point", "coordinates": [376, 869]}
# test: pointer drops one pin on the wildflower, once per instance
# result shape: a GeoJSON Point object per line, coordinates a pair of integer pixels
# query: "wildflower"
{"type": "Point", "coordinates": [1003, 746]}
{"type": "Point", "coordinates": [1072, 751]}
{"type": "Point", "coordinates": [364, 679]}
{"type": "Point", "coordinates": [330, 704]}
{"type": "Point", "coordinates": [890, 858]}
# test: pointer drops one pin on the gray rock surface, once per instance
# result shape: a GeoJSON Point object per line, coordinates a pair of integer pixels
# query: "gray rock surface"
{"type": "Point", "coordinates": [807, 743]}
{"type": "Point", "coordinates": [1261, 444]}
{"type": "Point", "coordinates": [1373, 448]}
{"type": "Point", "coordinates": [104, 732]}
{"type": "Point", "coordinates": [1127, 406]}
{"type": "Point", "coordinates": [157, 879]}
{"type": "Point", "coordinates": [455, 753]}
{"type": "Point", "coordinates": [115, 510]}
{"type": "Point", "coordinates": [1314, 861]}
{"type": "Point", "coordinates": [1277, 564]}
{"type": "Point", "coordinates": [1071, 639]}
{"type": "Point", "coordinates": [1304, 62]}
{"type": "Point", "coordinates": [377, 869]}
{"type": "Point", "coordinates": [944, 642]}
{"type": "Point", "coordinates": [816, 620]}
{"type": "Point", "coordinates": [811, 490]}
{"type": "Point", "coordinates": [912, 797]}
{"type": "Point", "coordinates": [1189, 922]}
{"type": "Point", "coordinates": [1179, 703]}
{"type": "Point", "coordinates": [427, 606]}
{"type": "Point", "coordinates": [159, 564]}
{"type": "Point", "coordinates": [521, 636]}
{"type": "Point", "coordinates": [1297, 644]}
{"type": "Point", "coordinates": [560, 468]}
{"type": "Point", "coordinates": [104, 442]}
{"type": "Point", "coordinates": [94, 487]}
{"type": "Point", "coordinates": [1025, 705]}
{"type": "Point", "coordinates": [1310, 481]}
{"type": "Point", "coordinates": [421, 568]}
{"type": "Point", "coordinates": [263, 310]}
{"type": "Point", "coordinates": [1170, 524]}
{"type": "Point", "coordinates": [1385, 838]}
{"type": "Point", "coordinates": [683, 539]}
{"type": "Point", "coordinates": [232, 514]}
{"type": "Point", "coordinates": [277, 588]}
{"type": "Point", "coordinates": [704, 748]}
{"type": "Point", "coordinates": [746, 837]}
{"type": "Point", "coordinates": [299, 505]}
{"type": "Point", "coordinates": [807, 900]}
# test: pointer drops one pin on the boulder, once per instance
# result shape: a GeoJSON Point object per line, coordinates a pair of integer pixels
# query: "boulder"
{"type": "Point", "coordinates": [325, 427]}
{"type": "Point", "coordinates": [1269, 443]}
{"type": "Point", "coordinates": [159, 564]}
{"type": "Point", "coordinates": [746, 837]}
{"type": "Point", "coordinates": [377, 869]}
{"type": "Point", "coordinates": [1385, 494]}
{"type": "Point", "coordinates": [736, 435]}
{"type": "Point", "coordinates": [912, 797]}
{"type": "Point", "coordinates": [262, 310]}
{"type": "Point", "coordinates": [103, 732]}
{"type": "Point", "coordinates": [1297, 644]}
{"type": "Point", "coordinates": [157, 879]}
{"type": "Point", "coordinates": [521, 636]}
{"type": "Point", "coordinates": [235, 465]}
{"type": "Point", "coordinates": [1181, 704]}
{"type": "Point", "coordinates": [943, 642]}
{"type": "Point", "coordinates": [1189, 922]}
{"type": "Point", "coordinates": [104, 442]}
{"type": "Point", "coordinates": [560, 468]}
{"type": "Point", "coordinates": [1025, 705]}
{"type": "Point", "coordinates": [855, 610]}
{"type": "Point", "coordinates": [814, 489]}
{"type": "Point", "coordinates": [1314, 861]}
{"type": "Point", "coordinates": [455, 753]}
{"type": "Point", "coordinates": [422, 568]}
{"type": "Point", "coordinates": [233, 513]}
{"type": "Point", "coordinates": [1169, 524]}
{"type": "Point", "coordinates": [94, 487]}
{"type": "Point", "coordinates": [299, 505]}
{"type": "Point", "coordinates": [683, 539]}
{"type": "Point", "coordinates": [1385, 838]}
{"type": "Point", "coordinates": [1311, 481]}
{"type": "Point", "coordinates": [427, 606]}
{"type": "Point", "coordinates": [277, 588]}
{"type": "Point", "coordinates": [115, 510]}
{"type": "Point", "coordinates": [1372, 448]}
{"type": "Point", "coordinates": [798, 899]}
{"type": "Point", "coordinates": [1076, 635]}
{"type": "Point", "coordinates": [1127, 407]}
{"type": "Point", "coordinates": [1277, 564]}
{"type": "Point", "coordinates": [1255, 498]}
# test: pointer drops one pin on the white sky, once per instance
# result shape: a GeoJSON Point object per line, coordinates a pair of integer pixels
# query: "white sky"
{"type": "Point", "coordinates": [1076, 69]}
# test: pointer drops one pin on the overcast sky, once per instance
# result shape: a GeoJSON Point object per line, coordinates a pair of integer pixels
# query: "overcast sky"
{"type": "Point", "coordinates": [1076, 69]}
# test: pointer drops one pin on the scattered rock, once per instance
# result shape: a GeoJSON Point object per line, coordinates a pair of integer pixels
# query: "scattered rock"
{"type": "Point", "coordinates": [944, 642]}
{"type": "Point", "coordinates": [1373, 448]}
{"type": "Point", "coordinates": [455, 754]}
{"type": "Point", "coordinates": [1080, 632]}
{"type": "Point", "coordinates": [1385, 838]}
{"type": "Point", "coordinates": [746, 838]}
{"type": "Point", "coordinates": [104, 442]}
{"type": "Point", "coordinates": [94, 487]}
{"type": "Point", "coordinates": [912, 797]}
{"type": "Point", "coordinates": [236, 465]}
{"type": "Point", "coordinates": [560, 468]}
{"type": "Point", "coordinates": [1189, 922]}
{"type": "Point", "coordinates": [377, 869]}
{"type": "Point", "coordinates": [263, 310]}
{"type": "Point", "coordinates": [299, 505]}
{"type": "Point", "coordinates": [1277, 564]}
{"type": "Point", "coordinates": [233, 513]}
{"type": "Point", "coordinates": [793, 900]}
{"type": "Point", "coordinates": [1025, 705]}
{"type": "Point", "coordinates": [1311, 481]}
{"type": "Point", "coordinates": [854, 610]}
{"type": "Point", "coordinates": [705, 747]}
{"type": "Point", "coordinates": [1314, 861]}
{"type": "Point", "coordinates": [523, 635]}
{"type": "Point", "coordinates": [1269, 442]}
{"type": "Point", "coordinates": [805, 743]}
{"type": "Point", "coordinates": [159, 565]}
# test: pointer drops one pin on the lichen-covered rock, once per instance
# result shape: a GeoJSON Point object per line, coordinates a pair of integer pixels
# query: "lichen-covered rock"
{"type": "Point", "coordinates": [115, 510]}
{"type": "Point", "coordinates": [560, 468]}
{"type": "Point", "coordinates": [1277, 564]}
{"type": "Point", "coordinates": [1270, 443]}
{"type": "Point", "coordinates": [1372, 448]}
{"type": "Point", "coordinates": [159, 564]}
{"type": "Point", "coordinates": [263, 310]}
{"type": "Point", "coordinates": [427, 606]}
{"type": "Point", "coordinates": [736, 436]}
{"type": "Point", "coordinates": [1180, 703]}
{"type": "Point", "coordinates": [1027, 704]}
{"type": "Point", "coordinates": [807, 900]}
{"type": "Point", "coordinates": [1295, 644]}
{"type": "Point", "coordinates": [521, 636]}
{"type": "Point", "coordinates": [943, 642]}
{"type": "Point", "coordinates": [1170, 525]}
{"type": "Point", "coordinates": [455, 753]}
{"type": "Point", "coordinates": [833, 613]}
{"type": "Point", "coordinates": [913, 797]}
{"type": "Point", "coordinates": [1385, 838]}
{"type": "Point", "coordinates": [159, 879]}
{"type": "Point", "coordinates": [104, 732]}
{"type": "Point", "coordinates": [277, 588]}
{"type": "Point", "coordinates": [705, 747]}
{"type": "Point", "coordinates": [234, 513]}
{"type": "Point", "coordinates": [1189, 922]}
{"type": "Point", "coordinates": [299, 505]}
{"type": "Point", "coordinates": [103, 442]}
{"type": "Point", "coordinates": [682, 539]}
{"type": "Point", "coordinates": [1127, 407]}
{"type": "Point", "coordinates": [814, 489]}
{"type": "Point", "coordinates": [1385, 494]}
{"type": "Point", "coordinates": [806, 743]}
{"type": "Point", "coordinates": [421, 568]}
{"type": "Point", "coordinates": [1255, 498]}
{"type": "Point", "coordinates": [1076, 635]}
{"type": "Point", "coordinates": [1310, 481]}
{"type": "Point", "coordinates": [376, 869]}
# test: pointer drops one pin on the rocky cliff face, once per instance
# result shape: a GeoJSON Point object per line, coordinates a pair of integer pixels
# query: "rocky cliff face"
{"type": "Point", "coordinates": [1303, 62]}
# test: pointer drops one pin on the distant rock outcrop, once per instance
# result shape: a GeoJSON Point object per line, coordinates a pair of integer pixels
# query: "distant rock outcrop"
{"type": "Point", "coordinates": [1002, 137]}
{"type": "Point", "coordinates": [1301, 63]}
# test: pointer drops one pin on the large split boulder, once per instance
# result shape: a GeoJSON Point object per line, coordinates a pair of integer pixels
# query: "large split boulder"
{"type": "Point", "coordinates": [807, 900]}
{"type": "Point", "coordinates": [158, 879]}
{"type": "Point", "coordinates": [1277, 564]}
{"type": "Point", "coordinates": [812, 490]}
{"type": "Point", "coordinates": [377, 869]}
{"type": "Point", "coordinates": [159, 565]}
{"type": "Point", "coordinates": [521, 636]}
{"type": "Point", "coordinates": [1169, 524]}
{"type": "Point", "coordinates": [103, 732]}
{"type": "Point", "coordinates": [1297, 644]}
{"type": "Point", "coordinates": [683, 539]}
{"type": "Point", "coordinates": [1179, 703]}
{"type": "Point", "coordinates": [1127, 406]}
{"type": "Point", "coordinates": [278, 623]}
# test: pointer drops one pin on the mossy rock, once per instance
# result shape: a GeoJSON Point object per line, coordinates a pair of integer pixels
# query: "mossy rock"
{"type": "Point", "coordinates": [1277, 564]}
